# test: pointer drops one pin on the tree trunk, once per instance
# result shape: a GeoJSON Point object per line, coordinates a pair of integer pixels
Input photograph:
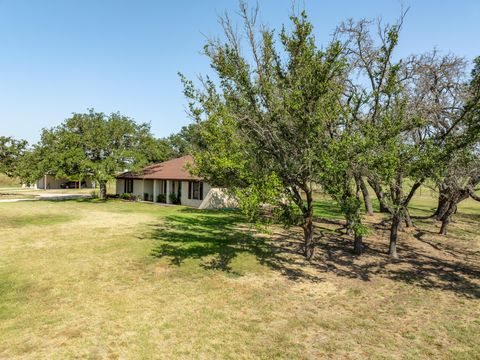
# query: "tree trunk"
{"type": "Point", "coordinates": [308, 227]}
{"type": "Point", "coordinates": [366, 196]}
{"type": "Point", "coordinates": [444, 227]}
{"type": "Point", "coordinates": [453, 202]}
{"type": "Point", "coordinates": [443, 205]}
{"type": "Point", "coordinates": [308, 239]}
{"type": "Point", "coordinates": [103, 190]}
{"type": "Point", "coordinates": [396, 221]}
{"type": "Point", "coordinates": [408, 219]}
{"type": "Point", "coordinates": [358, 244]}
{"type": "Point", "coordinates": [446, 219]}
{"type": "Point", "coordinates": [379, 194]}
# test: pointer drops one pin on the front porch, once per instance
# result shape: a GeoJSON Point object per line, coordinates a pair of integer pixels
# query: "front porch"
{"type": "Point", "coordinates": [159, 191]}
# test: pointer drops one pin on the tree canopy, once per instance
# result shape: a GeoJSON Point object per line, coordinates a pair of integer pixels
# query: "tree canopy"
{"type": "Point", "coordinates": [284, 115]}
{"type": "Point", "coordinates": [268, 118]}
{"type": "Point", "coordinates": [98, 146]}
{"type": "Point", "coordinates": [11, 153]}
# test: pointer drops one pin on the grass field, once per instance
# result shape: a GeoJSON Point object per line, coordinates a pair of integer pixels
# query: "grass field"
{"type": "Point", "coordinates": [6, 182]}
{"type": "Point", "coordinates": [118, 280]}
{"type": "Point", "coordinates": [9, 195]}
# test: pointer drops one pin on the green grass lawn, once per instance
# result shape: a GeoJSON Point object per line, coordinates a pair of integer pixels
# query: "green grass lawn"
{"type": "Point", "coordinates": [119, 280]}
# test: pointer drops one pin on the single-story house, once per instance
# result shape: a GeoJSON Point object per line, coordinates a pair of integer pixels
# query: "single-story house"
{"type": "Point", "coordinates": [171, 182]}
{"type": "Point", "coordinates": [48, 182]}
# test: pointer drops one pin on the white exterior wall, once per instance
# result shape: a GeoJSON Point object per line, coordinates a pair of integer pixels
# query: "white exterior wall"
{"type": "Point", "coordinates": [213, 198]}
{"type": "Point", "coordinates": [119, 186]}
{"type": "Point", "coordinates": [148, 188]}
{"type": "Point", "coordinates": [192, 202]}
{"type": "Point", "coordinates": [138, 188]}
{"type": "Point", "coordinates": [218, 198]}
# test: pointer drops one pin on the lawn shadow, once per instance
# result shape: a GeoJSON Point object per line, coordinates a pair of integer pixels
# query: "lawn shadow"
{"type": "Point", "coordinates": [426, 263]}
{"type": "Point", "coordinates": [217, 238]}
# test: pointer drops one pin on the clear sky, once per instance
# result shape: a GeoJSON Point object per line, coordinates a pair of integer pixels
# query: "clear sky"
{"type": "Point", "coordinates": [64, 56]}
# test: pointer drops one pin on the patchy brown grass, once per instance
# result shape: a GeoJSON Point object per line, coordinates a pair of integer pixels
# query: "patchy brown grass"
{"type": "Point", "coordinates": [8, 182]}
{"type": "Point", "coordinates": [115, 280]}
{"type": "Point", "coordinates": [15, 195]}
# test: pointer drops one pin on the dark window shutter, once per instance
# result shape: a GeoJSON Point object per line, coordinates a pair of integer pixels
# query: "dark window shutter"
{"type": "Point", "coordinates": [189, 189]}
{"type": "Point", "coordinates": [201, 190]}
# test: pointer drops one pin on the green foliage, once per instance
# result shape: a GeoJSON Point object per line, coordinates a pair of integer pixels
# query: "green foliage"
{"type": "Point", "coordinates": [11, 153]}
{"type": "Point", "coordinates": [174, 199]}
{"type": "Point", "coordinates": [413, 113]}
{"type": "Point", "coordinates": [262, 126]}
{"type": "Point", "coordinates": [180, 144]}
{"type": "Point", "coordinates": [96, 145]}
{"type": "Point", "coordinates": [128, 196]}
{"type": "Point", "coordinates": [161, 198]}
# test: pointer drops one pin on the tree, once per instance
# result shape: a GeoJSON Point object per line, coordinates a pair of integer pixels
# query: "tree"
{"type": "Point", "coordinates": [268, 117]}
{"type": "Point", "coordinates": [410, 114]}
{"type": "Point", "coordinates": [181, 142]}
{"type": "Point", "coordinates": [459, 183]}
{"type": "Point", "coordinates": [32, 164]}
{"type": "Point", "coordinates": [462, 173]}
{"type": "Point", "coordinates": [96, 145]}
{"type": "Point", "coordinates": [11, 153]}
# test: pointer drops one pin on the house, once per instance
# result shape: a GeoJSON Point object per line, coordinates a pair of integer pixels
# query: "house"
{"type": "Point", "coordinates": [171, 182]}
{"type": "Point", "coordinates": [48, 182]}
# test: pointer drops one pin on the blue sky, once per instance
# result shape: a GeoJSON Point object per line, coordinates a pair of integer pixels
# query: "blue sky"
{"type": "Point", "coordinates": [61, 56]}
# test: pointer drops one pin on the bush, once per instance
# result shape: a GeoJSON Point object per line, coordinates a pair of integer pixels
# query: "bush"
{"type": "Point", "coordinates": [174, 199]}
{"type": "Point", "coordinates": [162, 198]}
{"type": "Point", "coordinates": [129, 197]}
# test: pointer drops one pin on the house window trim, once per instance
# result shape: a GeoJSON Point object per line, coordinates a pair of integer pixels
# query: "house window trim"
{"type": "Point", "coordinates": [128, 186]}
{"type": "Point", "coordinates": [192, 191]}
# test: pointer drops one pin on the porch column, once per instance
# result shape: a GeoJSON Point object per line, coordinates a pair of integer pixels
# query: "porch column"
{"type": "Point", "coordinates": [154, 190]}
{"type": "Point", "coordinates": [169, 190]}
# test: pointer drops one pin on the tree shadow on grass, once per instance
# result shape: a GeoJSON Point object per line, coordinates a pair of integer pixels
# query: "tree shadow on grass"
{"type": "Point", "coordinates": [217, 238]}
{"type": "Point", "coordinates": [422, 262]}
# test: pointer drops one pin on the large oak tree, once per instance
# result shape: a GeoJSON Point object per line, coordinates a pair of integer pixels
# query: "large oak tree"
{"type": "Point", "coordinates": [96, 145]}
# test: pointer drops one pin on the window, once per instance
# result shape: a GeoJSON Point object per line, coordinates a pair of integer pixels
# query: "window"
{"type": "Point", "coordinates": [128, 186]}
{"type": "Point", "coordinates": [195, 190]}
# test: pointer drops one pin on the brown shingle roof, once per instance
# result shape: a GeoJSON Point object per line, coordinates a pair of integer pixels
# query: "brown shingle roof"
{"type": "Point", "coordinates": [175, 169]}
